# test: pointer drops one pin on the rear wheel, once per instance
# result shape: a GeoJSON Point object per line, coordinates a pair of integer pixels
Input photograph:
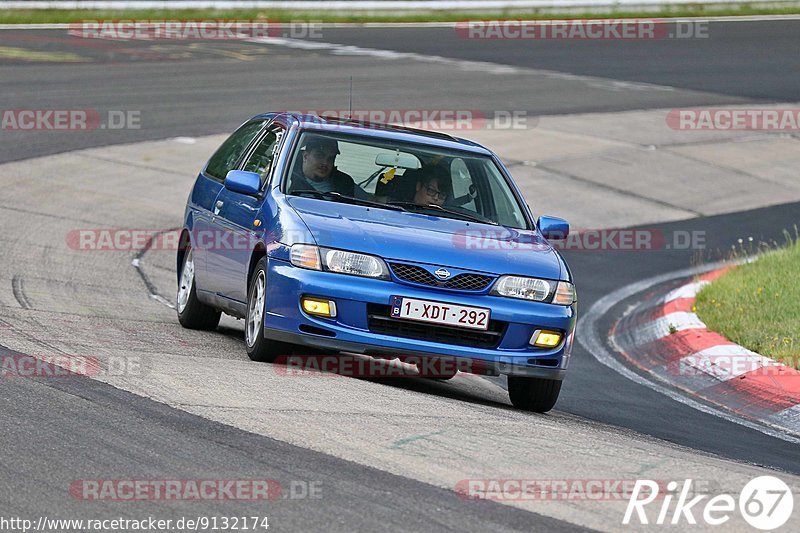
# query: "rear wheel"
{"type": "Point", "coordinates": [533, 394]}
{"type": "Point", "coordinates": [192, 313]}
{"type": "Point", "coordinates": [259, 348]}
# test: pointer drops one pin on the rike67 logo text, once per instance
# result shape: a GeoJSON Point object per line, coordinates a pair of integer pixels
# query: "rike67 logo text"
{"type": "Point", "coordinates": [765, 502]}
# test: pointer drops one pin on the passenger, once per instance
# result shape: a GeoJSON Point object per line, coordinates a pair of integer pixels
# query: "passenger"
{"type": "Point", "coordinates": [433, 188]}
{"type": "Point", "coordinates": [316, 171]}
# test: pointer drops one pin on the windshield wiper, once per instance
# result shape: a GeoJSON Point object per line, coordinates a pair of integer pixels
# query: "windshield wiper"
{"type": "Point", "coordinates": [333, 195]}
{"type": "Point", "coordinates": [467, 216]}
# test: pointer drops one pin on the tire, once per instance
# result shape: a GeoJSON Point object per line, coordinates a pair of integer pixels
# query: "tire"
{"type": "Point", "coordinates": [533, 394]}
{"type": "Point", "coordinates": [259, 348]}
{"type": "Point", "coordinates": [192, 313]}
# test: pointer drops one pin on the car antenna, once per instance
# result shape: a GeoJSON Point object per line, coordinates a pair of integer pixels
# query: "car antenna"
{"type": "Point", "coordinates": [350, 109]}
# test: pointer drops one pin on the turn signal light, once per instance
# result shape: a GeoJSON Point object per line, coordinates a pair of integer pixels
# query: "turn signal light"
{"type": "Point", "coordinates": [306, 256]}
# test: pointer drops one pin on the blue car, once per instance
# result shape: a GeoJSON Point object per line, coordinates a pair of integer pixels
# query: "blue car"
{"type": "Point", "coordinates": [393, 242]}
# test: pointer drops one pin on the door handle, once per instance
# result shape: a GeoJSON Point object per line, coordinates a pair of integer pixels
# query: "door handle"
{"type": "Point", "coordinates": [218, 206]}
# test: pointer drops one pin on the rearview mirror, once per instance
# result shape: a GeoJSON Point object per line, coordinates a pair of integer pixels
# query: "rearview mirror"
{"type": "Point", "coordinates": [398, 160]}
{"type": "Point", "coordinates": [243, 182]}
{"type": "Point", "coordinates": [553, 228]}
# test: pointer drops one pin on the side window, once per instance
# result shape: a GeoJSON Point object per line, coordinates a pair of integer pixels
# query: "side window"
{"type": "Point", "coordinates": [264, 154]}
{"type": "Point", "coordinates": [227, 155]}
{"type": "Point", "coordinates": [462, 181]}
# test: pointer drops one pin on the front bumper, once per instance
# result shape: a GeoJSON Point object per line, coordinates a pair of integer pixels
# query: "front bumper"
{"type": "Point", "coordinates": [357, 298]}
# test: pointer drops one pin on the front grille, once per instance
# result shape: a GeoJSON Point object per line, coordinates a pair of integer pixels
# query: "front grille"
{"type": "Point", "coordinates": [468, 282]}
{"type": "Point", "coordinates": [379, 321]}
{"type": "Point", "coordinates": [414, 274]}
{"type": "Point", "coordinates": [420, 276]}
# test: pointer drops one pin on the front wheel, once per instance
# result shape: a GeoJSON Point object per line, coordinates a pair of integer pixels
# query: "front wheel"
{"type": "Point", "coordinates": [192, 313]}
{"type": "Point", "coordinates": [259, 348]}
{"type": "Point", "coordinates": [533, 394]}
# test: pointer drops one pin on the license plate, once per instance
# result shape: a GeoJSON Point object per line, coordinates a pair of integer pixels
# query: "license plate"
{"type": "Point", "coordinates": [440, 313]}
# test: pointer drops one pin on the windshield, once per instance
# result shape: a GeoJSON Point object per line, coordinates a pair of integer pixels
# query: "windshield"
{"type": "Point", "coordinates": [410, 177]}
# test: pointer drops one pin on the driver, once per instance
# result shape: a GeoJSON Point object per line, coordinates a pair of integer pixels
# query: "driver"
{"type": "Point", "coordinates": [316, 171]}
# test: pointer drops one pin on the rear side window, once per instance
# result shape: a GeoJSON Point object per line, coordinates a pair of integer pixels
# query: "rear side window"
{"type": "Point", "coordinates": [227, 155]}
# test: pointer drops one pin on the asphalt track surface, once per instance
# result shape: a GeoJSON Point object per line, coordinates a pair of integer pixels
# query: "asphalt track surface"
{"type": "Point", "coordinates": [173, 81]}
{"type": "Point", "coordinates": [47, 452]}
{"type": "Point", "coordinates": [54, 429]}
{"type": "Point", "coordinates": [736, 60]}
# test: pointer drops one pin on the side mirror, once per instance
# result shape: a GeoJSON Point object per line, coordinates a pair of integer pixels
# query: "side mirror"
{"type": "Point", "coordinates": [243, 182]}
{"type": "Point", "coordinates": [553, 228]}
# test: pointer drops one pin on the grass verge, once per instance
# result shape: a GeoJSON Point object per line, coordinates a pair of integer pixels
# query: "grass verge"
{"type": "Point", "coordinates": [757, 305]}
{"type": "Point", "coordinates": [55, 16]}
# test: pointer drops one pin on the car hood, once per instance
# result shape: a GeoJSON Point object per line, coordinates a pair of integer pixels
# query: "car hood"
{"type": "Point", "coordinates": [428, 239]}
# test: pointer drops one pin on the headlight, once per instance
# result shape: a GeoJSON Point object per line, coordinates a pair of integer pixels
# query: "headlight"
{"type": "Point", "coordinates": [537, 290]}
{"type": "Point", "coordinates": [340, 261]}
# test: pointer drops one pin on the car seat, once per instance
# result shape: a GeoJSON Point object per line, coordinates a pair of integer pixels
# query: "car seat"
{"type": "Point", "coordinates": [398, 188]}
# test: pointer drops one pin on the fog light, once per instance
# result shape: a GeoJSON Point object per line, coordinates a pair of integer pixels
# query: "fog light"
{"type": "Point", "coordinates": [318, 306]}
{"type": "Point", "coordinates": [544, 338]}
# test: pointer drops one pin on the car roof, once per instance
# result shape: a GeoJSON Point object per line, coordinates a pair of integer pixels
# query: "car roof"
{"type": "Point", "coordinates": [377, 130]}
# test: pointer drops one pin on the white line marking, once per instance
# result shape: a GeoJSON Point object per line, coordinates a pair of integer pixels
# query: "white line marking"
{"type": "Point", "coordinates": [726, 361]}
{"type": "Point", "coordinates": [788, 417]}
{"type": "Point", "coordinates": [160, 299]}
{"type": "Point", "coordinates": [589, 338]}
{"type": "Point", "coordinates": [666, 325]}
{"type": "Point", "coordinates": [689, 290]}
{"type": "Point", "coordinates": [348, 50]}
{"type": "Point", "coordinates": [678, 321]}
{"type": "Point", "coordinates": [157, 297]}
{"type": "Point", "coordinates": [463, 64]}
